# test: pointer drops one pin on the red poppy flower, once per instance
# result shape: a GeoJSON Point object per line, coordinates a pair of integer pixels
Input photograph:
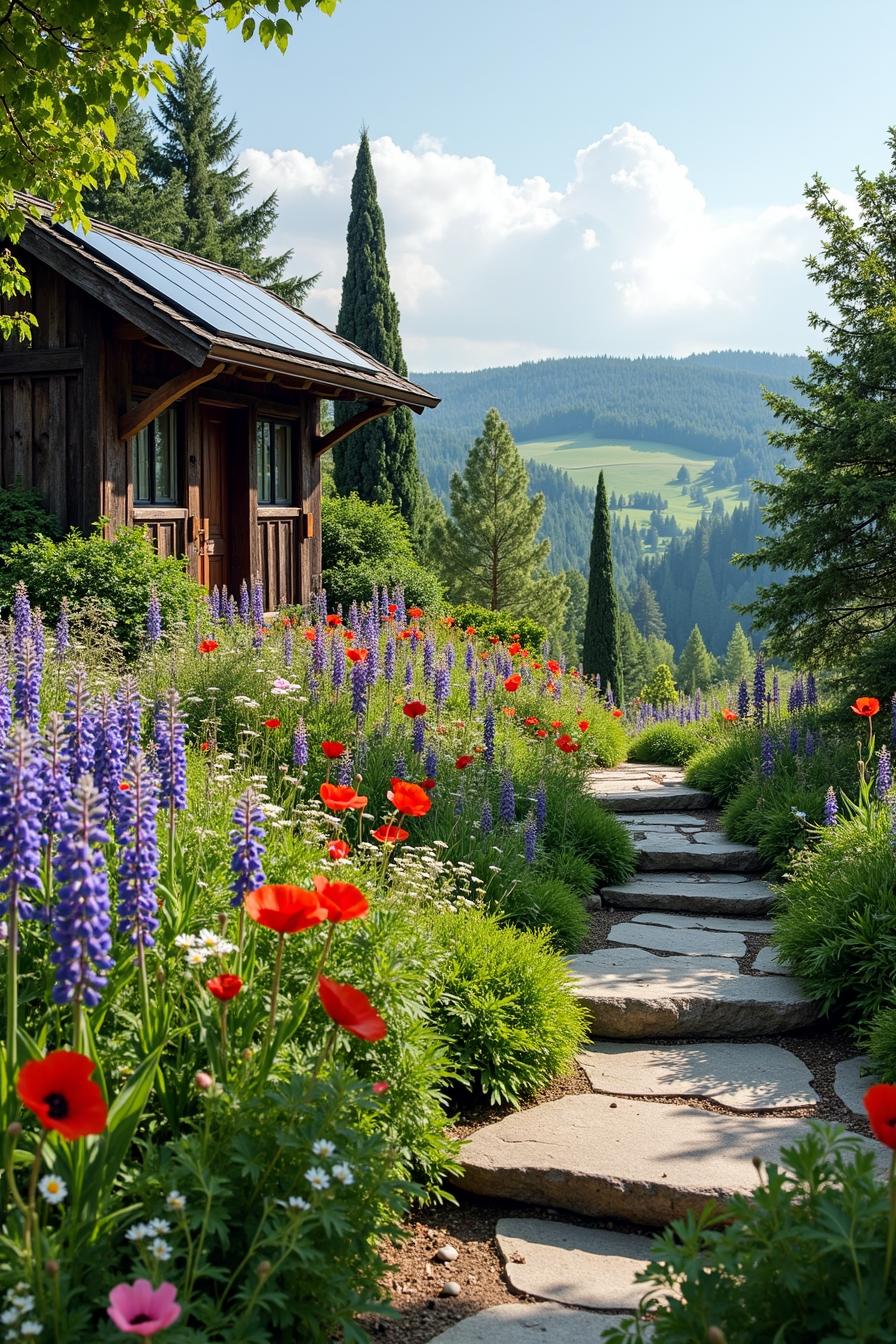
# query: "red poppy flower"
{"type": "Point", "coordinates": [341, 797]}
{"type": "Point", "coordinates": [866, 706]}
{"type": "Point", "coordinates": [552, 666]}
{"type": "Point", "coordinates": [272, 723]}
{"type": "Point", "coordinates": [463, 761]}
{"type": "Point", "coordinates": [334, 620]}
{"type": "Point", "coordinates": [379, 1088]}
{"type": "Point", "coordinates": [513, 683]}
{"type": "Point", "coordinates": [448, 621]}
{"type": "Point", "coordinates": [617, 713]}
{"type": "Point", "coordinates": [880, 1103]}
{"type": "Point", "coordinates": [531, 721]}
{"type": "Point", "coordinates": [729, 715]}
{"type": "Point", "coordinates": [415, 613]}
{"type": "Point", "coordinates": [583, 725]}
{"type": "Point", "coordinates": [207, 645]}
{"type": "Point", "coordinates": [341, 900]}
{"type": "Point", "coordinates": [541, 732]}
{"type": "Point", "coordinates": [339, 849]}
{"type": "Point", "coordinates": [471, 629]}
{"type": "Point", "coordinates": [510, 711]}
{"type": "Point", "coordinates": [332, 750]}
{"type": "Point", "coordinates": [392, 608]}
{"type": "Point", "coordinates": [348, 634]}
{"type": "Point", "coordinates": [284, 908]}
{"type": "Point", "coordinates": [390, 835]}
{"type": "Point", "coordinates": [404, 634]}
{"type": "Point", "coordinates": [565, 743]}
{"type": "Point", "coordinates": [409, 799]}
{"type": "Point", "coordinates": [428, 784]}
{"type": "Point", "coordinates": [536, 667]}
{"type": "Point", "coordinates": [416, 634]}
{"type": "Point", "coordinates": [514, 647]}
{"type": "Point", "coordinates": [351, 1009]}
{"type": "Point", "coordinates": [310, 634]}
{"type": "Point", "coordinates": [124, 786]}
{"type": "Point", "coordinates": [414, 708]}
{"type": "Point", "coordinates": [356, 655]}
{"type": "Point", "coordinates": [59, 1090]}
{"type": "Point", "coordinates": [556, 723]}
{"type": "Point", "coordinates": [551, 686]}
{"type": "Point", "coordinates": [224, 987]}
{"type": "Point", "coordinates": [494, 639]}
{"type": "Point", "coordinates": [205, 746]}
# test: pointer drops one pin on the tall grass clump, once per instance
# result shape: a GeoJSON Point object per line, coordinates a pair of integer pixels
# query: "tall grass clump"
{"type": "Point", "coordinates": [668, 743]}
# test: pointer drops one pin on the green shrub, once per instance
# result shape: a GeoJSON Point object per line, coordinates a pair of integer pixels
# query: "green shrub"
{"type": "Point", "coordinates": [538, 902]}
{"type": "Point", "coordinates": [578, 823]}
{"type": "Point", "coordinates": [366, 545]}
{"type": "Point", "coordinates": [742, 816]}
{"type": "Point", "coordinates": [723, 765]}
{"type": "Point", "coordinates": [114, 577]}
{"type": "Point", "coordinates": [504, 1005]}
{"type": "Point", "coordinates": [23, 518]}
{"type": "Point", "coordinates": [570, 868]}
{"type": "Point", "coordinates": [660, 689]}
{"type": "Point", "coordinates": [501, 623]}
{"type": "Point", "coordinates": [667, 743]}
{"type": "Point", "coordinates": [797, 1262]}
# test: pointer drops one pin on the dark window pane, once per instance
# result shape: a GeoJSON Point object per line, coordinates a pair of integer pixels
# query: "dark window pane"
{"type": "Point", "coordinates": [141, 467]}
{"type": "Point", "coordinates": [165, 446]}
{"type": "Point", "coordinates": [282, 463]}
{"type": "Point", "coordinates": [263, 461]}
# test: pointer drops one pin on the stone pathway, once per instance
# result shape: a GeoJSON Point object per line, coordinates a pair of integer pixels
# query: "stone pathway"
{"type": "Point", "coordinates": [643, 1147]}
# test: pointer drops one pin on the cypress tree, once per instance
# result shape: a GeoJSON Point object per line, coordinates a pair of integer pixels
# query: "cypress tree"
{"type": "Point", "coordinates": [601, 652]}
{"type": "Point", "coordinates": [378, 461]}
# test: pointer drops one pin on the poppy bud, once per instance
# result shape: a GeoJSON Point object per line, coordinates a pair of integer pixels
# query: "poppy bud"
{"type": "Point", "coordinates": [52, 1268]}
{"type": "Point", "coordinates": [13, 1129]}
{"type": "Point", "coordinates": [265, 1268]}
{"type": "Point", "coordinates": [715, 1336]}
{"type": "Point", "coordinates": [222, 922]}
{"type": "Point", "coordinates": [247, 1055]}
{"type": "Point", "coordinates": [160, 976]}
{"type": "Point", "coordinates": [203, 1080]}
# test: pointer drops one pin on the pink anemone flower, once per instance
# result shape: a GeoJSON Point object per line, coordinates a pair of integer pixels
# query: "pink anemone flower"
{"type": "Point", "coordinates": [139, 1309]}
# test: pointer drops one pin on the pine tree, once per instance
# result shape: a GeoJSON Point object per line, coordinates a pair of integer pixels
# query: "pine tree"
{"type": "Point", "coordinates": [155, 210]}
{"type": "Point", "coordinates": [601, 651]}
{"type": "Point", "coordinates": [378, 461]}
{"type": "Point", "coordinates": [633, 651]}
{"type": "Point", "coordinates": [647, 613]}
{"type": "Point", "coordinates": [660, 688]}
{"type": "Point", "coordinates": [490, 552]}
{"type": "Point", "coordinates": [738, 663]}
{"type": "Point", "coordinates": [696, 669]}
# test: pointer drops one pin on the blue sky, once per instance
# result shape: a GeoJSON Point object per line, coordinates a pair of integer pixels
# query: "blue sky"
{"type": "Point", "coordinates": [504, 171]}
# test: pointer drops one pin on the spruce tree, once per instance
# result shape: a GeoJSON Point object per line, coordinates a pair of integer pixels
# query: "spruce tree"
{"type": "Point", "coordinates": [378, 461]}
{"type": "Point", "coordinates": [633, 652]}
{"type": "Point", "coordinates": [696, 666]}
{"type": "Point", "coordinates": [141, 205]}
{"type": "Point", "coordinates": [601, 652]}
{"type": "Point", "coordinates": [738, 662]}
{"type": "Point", "coordinates": [646, 611]}
{"type": "Point", "coordinates": [490, 552]}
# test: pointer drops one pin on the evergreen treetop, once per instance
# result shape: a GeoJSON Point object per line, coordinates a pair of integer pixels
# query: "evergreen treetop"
{"type": "Point", "coordinates": [696, 666]}
{"type": "Point", "coordinates": [601, 650]}
{"type": "Point", "coordinates": [738, 661]}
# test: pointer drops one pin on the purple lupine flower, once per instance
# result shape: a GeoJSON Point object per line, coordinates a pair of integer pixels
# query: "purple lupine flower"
{"type": "Point", "coordinates": [811, 691]}
{"type": "Point", "coordinates": [530, 838]}
{"type": "Point", "coordinates": [288, 646]}
{"type": "Point", "coordinates": [247, 839]}
{"type": "Point", "coordinates": [486, 818]}
{"type": "Point", "coordinates": [244, 602]}
{"type": "Point", "coordinates": [375, 605]}
{"type": "Point", "coordinates": [313, 688]}
{"type": "Point", "coordinates": [507, 800]}
{"type": "Point", "coordinates": [743, 701]}
{"type": "Point", "coordinates": [794, 740]}
{"type": "Point", "coordinates": [57, 778]}
{"type": "Point", "coordinates": [417, 735]}
{"type": "Point", "coordinates": [337, 666]}
{"type": "Point", "coordinates": [359, 689]}
{"type": "Point", "coordinates": [138, 856]}
{"type": "Point", "coordinates": [441, 686]}
{"type": "Point", "coordinates": [489, 680]}
{"type": "Point", "coordinates": [214, 603]}
{"type": "Point", "coordinates": [345, 769]}
{"type": "Point", "coordinates": [110, 753]}
{"type": "Point", "coordinates": [541, 806]}
{"type": "Point", "coordinates": [759, 686]}
{"type": "Point", "coordinates": [353, 615]}
{"type": "Point", "coordinates": [473, 692]}
{"type": "Point", "coordinates": [171, 753]}
{"type": "Point", "coordinates": [231, 612]}
{"type": "Point", "coordinates": [429, 658]}
{"type": "Point", "coordinates": [300, 745]}
{"type": "Point", "coordinates": [400, 768]}
{"type": "Point", "coordinates": [319, 650]}
{"type": "Point", "coordinates": [81, 917]}
{"type": "Point", "coordinates": [21, 803]}
{"type": "Point", "coordinates": [830, 808]}
{"type": "Point", "coordinates": [26, 690]}
{"type": "Point", "coordinates": [21, 617]}
{"type": "Point", "coordinates": [776, 692]}
{"type": "Point", "coordinates": [488, 735]}
{"type": "Point", "coordinates": [469, 656]}
{"type": "Point", "coordinates": [5, 696]}
{"type": "Point", "coordinates": [430, 763]}
{"type": "Point", "coordinates": [372, 665]}
{"type": "Point", "coordinates": [697, 706]}
{"type": "Point", "coordinates": [39, 635]}
{"type": "Point", "coordinates": [884, 777]}
{"type": "Point", "coordinates": [257, 603]}
{"type": "Point", "coordinates": [609, 701]}
{"type": "Point", "coordinates": [767, 756]}
{"type": "Point", "coordinates": [389, 658]}
{"type": "Point", "coordinates": [450, 657]}
{"type": "Point", "coordinates": [401, 611]}
{"type": "Point", "coordinates": [61, 637]}
{"type": "Point", "coordinates": [408, 675]}
{"type": "Point", "coordinates": [258, 637]}
{"type": "Point", "coordinates": [809, 745]}
{"type": "Point", "coordinates": [154, 618]}
{"type": "Point", "coordinates": [129, 704]}
{"type": "Point", "coordinates": [80, 727]}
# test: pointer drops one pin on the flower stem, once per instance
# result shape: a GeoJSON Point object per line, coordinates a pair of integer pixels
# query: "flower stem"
{"type": "Point", "coordinates": [31, 1214]}
{"type": "Point", "coordinates": [891, 1229]}
{"type": "Point", "coordinates": [12, 988]}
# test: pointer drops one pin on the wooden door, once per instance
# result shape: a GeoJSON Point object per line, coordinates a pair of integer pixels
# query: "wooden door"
{"type": "Point", "coordinates": [213, 510]}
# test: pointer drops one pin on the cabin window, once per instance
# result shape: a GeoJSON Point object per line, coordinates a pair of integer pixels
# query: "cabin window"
{"type": "Point", "coordinates": [155, 461]}
{"type": "Point", "coordinates": [273, 455]}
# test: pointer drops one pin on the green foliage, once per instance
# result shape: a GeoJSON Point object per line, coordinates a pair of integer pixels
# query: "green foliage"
{"type": "Point", "coordinates": [738, 661]}
{"type": "Point", "coordinates": [800, 1260]}
{"type": "Point", "coordinates": [379, 460]}
{"type": "Point", "coordinates": [542, 902]}
{"type": "Point", "coordinates": [578, 823]}
{"type": "Point", "coordinates": [23, 517]}
{"type": "Point", "coordinates": [501, 623]}
{"type": "Point", "coordinates": [116, 577]}
{"type": "Point", "coordinates": [366, 544]}
{"type": "Point", "coordinates": [697, 668]}
{"type": "Point", "coordinates": [668, 743]}
{"type": "Point", "coordinates": [646, 612]}
{"type": "Point", "coordinates": [141, 204]}
{"type": "Point", "coordinates": [570, 868]}
{"type": "Point", "coordinates": [504, 1006]}
{"type": "Point", "coordinates": [660, 688]}
{"type": "Point", "coordinates": [722, 766]}
{"type": "Point", "coordinates": [601, 648]}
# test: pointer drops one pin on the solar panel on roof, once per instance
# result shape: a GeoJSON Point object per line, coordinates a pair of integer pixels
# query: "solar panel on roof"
{"type": "Point", "coordinates": [225, 304]}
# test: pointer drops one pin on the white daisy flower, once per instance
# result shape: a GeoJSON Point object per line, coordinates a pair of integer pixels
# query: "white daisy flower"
{"type": "Point", "coordinates": [206, 938]}
{"type": "Point", "coordinates": [297, 1202]}
{"type": "Point", "coordinates": [184, 940]}
{"type": "Point", "coordinates": [197, 956]}
{"type": "Point", "coordinates": [53, 1189]}
{"type": "Point", "coordinates": [159, 1249]}
{"type": "Point", "coordinates": [317, 1178]}
{"type": "Point", "coordinates": [158, 1226]}
{"type": "Point", "coordinates": [343, 1173]}
{"type": "Point", "coordinates": [323, 1148]}
{"type": "Point", "coordinates": [176, 1201]}
{"type": "Point", "coordinates": [139, 1232]}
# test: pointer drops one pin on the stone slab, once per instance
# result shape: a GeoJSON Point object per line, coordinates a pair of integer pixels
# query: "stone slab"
{"type": "Point", "coordinates": [643, 1161]}
{"type": "Point", "coordinates": [851, 1082]}
{"type": "Point", "coordinates": [529, 1323]}
{"type": "Point", "coordinates": [657, 800]}
{"type": "Point", "coordinates": [581, 1266]}
{"type": "Point", "coordinates": [646, 788]}
{"type": "Point", "coordinates": [767, 962]}
{"type": "Point", "coordinates": [705, 851]}
{"type": "Point", "coordinates": [713, 893]}
{"type": "Point", "coordinates": [741, 1076]}
{"type": "Point", "coordinates": [632, 993]}
{"type": "Point", "coordinates": [722, 923]}
{"type": "Point", "coordinates": [659, 820]}
{"type": "Point", "coordinates": [693, 942]}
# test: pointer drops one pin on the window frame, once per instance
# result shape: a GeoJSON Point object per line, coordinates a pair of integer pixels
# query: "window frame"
{"type": "Point", "coordinates": [147, 436]}
{"type": "Point", "coordinates": [277, 498]}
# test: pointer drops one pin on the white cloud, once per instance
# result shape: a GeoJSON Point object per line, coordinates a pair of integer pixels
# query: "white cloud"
{"type": "Point", "coordinates": [629, 257]}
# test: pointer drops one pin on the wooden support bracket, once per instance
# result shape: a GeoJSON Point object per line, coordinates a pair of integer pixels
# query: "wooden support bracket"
{"type": "Point", "coordinates": [140, 415]}
{"type": "Point", "coordinates": [322, 442]}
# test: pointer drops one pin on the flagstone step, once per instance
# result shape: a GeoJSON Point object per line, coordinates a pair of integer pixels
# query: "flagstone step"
{"type": "Point", "coordinates": [580, 1266]}
{"type": "Point", "coordinates": [646, 788]}
{"type": "Point", "coordinates": [688, 939]}
{"type": "Point", "coordinates": [703, 851]}
{"type": "Point", "coordinates": [742, 1076]}
{"type": "Point", "coordinates": [706, 893]}
{"type": "Point", "coordinates": [852, 1079]}
{"type": "Point", "coordinates": [631, 993]}
{"type": "Point", "coordinates": [768, 962]}
{"type": "Point", "coordinates": [644, 1161]}
{"type": "Point", "coordinates": [530, 1323]}
{"type": "Point", "coordinates": [726, 923]}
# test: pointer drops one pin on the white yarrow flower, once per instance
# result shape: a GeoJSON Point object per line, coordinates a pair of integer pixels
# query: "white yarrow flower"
{"type": "Point", "coordinates": [139, 1232]}
{"type": "Point", "coordinates": [323, 1148]}
{"type": "Point", "coordinates": [30, 1329]}
{"type": "Point", "coordinates": [176, 1201]}
{"type": "Point", "coordinates": [53, 1189]}
{"type": "Point", "coordinates": [158, 1226]}
{"type": "Point", "coordinates": [343, 1173]}
{"type": "Point", "coordinates": [317, 1178]}
{"type": "Point", "coordinates": [159, 1249]}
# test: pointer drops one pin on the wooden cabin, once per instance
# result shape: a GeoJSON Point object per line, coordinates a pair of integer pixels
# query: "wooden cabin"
{"type": "Point", "coordinates": [163, 390]}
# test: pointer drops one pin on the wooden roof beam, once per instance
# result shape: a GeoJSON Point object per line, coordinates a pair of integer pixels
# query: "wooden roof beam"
{"type": "Point", "coordinates": [146, 410]}
{"type": "Point", "coordinates": [322, 442]}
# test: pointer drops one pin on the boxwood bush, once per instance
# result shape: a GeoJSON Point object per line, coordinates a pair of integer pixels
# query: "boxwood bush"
{"type": "Point", "coordinates": [668, 743]}
{"type": "Point", "coordinates": [369, 544]}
